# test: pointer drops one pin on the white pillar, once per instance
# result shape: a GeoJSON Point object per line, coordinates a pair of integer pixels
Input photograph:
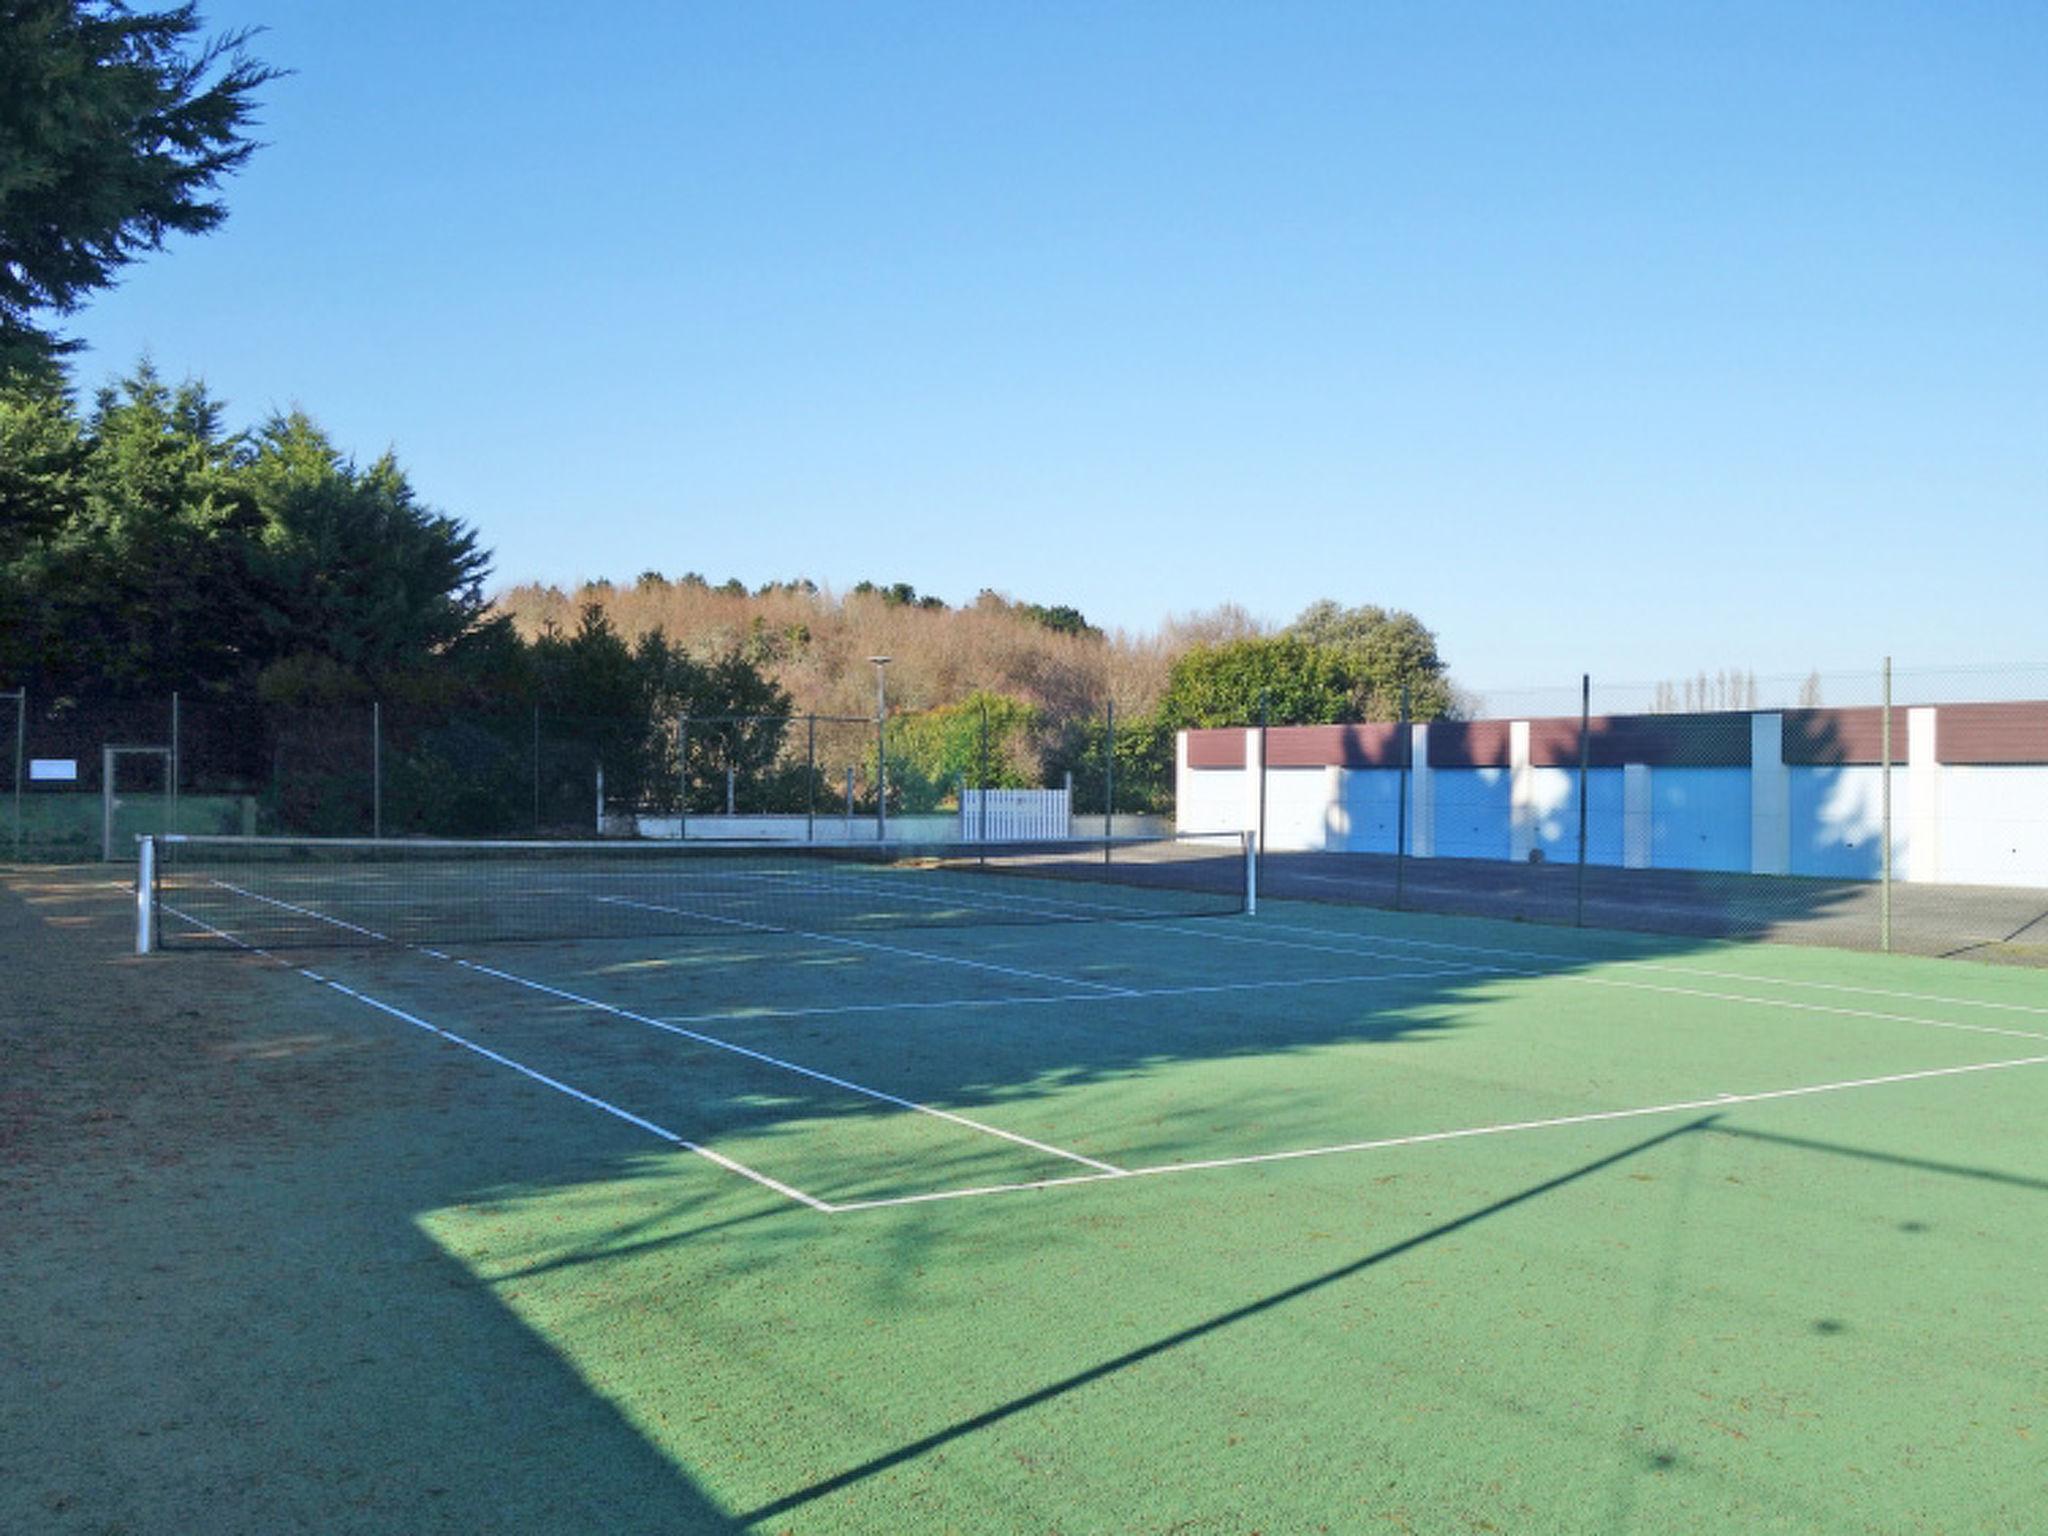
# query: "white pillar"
{"type": "Point", "coordinates": [1183, 785]}
{"type": "Point", "coordinates": [1636, 840]}
{"type": "Point", "coordinates": [1254, 775]}
{"type": "Point", "coordinates": [1922, 842]}
{"type": "Point", "coordinates": [1770, 797]}
{"type": "Point", "coordinates": [1521, 794]}
{"type": "Point", "coordinates": [1421, 795]}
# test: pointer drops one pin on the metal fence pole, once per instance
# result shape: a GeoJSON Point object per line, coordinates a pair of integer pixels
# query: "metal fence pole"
{"type": "Point", "coordinates": [1401, 808]}
{"type": "Point", "coordinates": [881, 759]}
{"type": "Point", "coordinates": [1884, 899]}
{"type": "Point", "coordinates": [171, 808]}
{"type": "Point", "coordinates": [20, 696]}
{"type": "Point", "coordinates": [981, 830]}
{"type": "Point", "coordinates": [810, 778]}
{"type": "Point", "coordinates": [536, 767]}
{"type": "Point", "coordinates": [1109, 776]}
{"type": "Point", "coordinates": [1585, 734]}
{"type": "Point", "coordinates": [682, 778]}
{"type": "Point", "coordinates": [376, 768]}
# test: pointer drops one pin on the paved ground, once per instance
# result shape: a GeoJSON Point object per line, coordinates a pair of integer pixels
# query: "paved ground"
{"type": "Point", "coordinates": [1980, 922]}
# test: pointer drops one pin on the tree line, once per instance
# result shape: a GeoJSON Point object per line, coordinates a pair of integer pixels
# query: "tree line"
{"type": "Point", "coordinates": [265, 576]}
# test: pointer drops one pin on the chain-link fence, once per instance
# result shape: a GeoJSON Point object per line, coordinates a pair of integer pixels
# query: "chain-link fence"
{"type": "Point", "coordinates": [85, 777]}
{"type": "Point", "coordinates": [1890, 809]}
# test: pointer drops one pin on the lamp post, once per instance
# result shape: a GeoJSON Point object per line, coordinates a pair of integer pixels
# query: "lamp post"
{"type": "Point", "coordinates": [881, 748]}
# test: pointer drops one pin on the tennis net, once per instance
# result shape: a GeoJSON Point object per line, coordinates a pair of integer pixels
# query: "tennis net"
{"type": "Point", "coordinates": [272, 893]}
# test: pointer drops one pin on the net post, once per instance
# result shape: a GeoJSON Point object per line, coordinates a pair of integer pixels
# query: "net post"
{"type": "Point", "coordinates": [145, 896]}
{"type": "Point", "coordinates": [1251, 873]}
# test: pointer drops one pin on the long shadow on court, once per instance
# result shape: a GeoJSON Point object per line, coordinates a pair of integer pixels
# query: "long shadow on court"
{"type": "Point", "coordinates": [223, 1313]}
{"type": "Point", "coordinates": [1208, 1326]}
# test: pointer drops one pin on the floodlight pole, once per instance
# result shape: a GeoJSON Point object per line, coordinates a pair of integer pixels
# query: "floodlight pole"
{"type": "Point", "coordinates": [881, 747]}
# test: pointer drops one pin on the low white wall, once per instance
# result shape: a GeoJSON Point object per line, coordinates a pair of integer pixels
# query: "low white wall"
{"type": "Point", "coordinates": [792, 829]}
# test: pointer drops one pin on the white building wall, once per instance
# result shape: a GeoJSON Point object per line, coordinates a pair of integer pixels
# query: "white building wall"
{"type": "Point", "coordinates": [1473, 813]}
{"type": "Point", "coordinates": [1994, 825]}
{"type": "Point", "coordinates": [1958, 824]}
{"type": "Point", "coordinates": [1836, 821]}
{"type": "Point", "coordinates": [1297, 810]}
{"type": "Point", "coordinates": [1367, 812]}
{"type": "Point", "coordinates": [1550, 805]}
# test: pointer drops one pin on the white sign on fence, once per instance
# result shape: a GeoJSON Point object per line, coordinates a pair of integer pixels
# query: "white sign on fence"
{"type": "Point", "coordinates": [53, 770]}
{"type": "Point", "coordinates": [1015, 815]}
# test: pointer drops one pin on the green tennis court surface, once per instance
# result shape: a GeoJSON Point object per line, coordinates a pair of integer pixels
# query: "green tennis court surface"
{"type": "Point", "coordinates": [1315, 1220]}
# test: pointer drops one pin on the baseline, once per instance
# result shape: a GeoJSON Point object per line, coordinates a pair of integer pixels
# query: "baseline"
{"type": "Point", "coordinates": [1591, 1117]}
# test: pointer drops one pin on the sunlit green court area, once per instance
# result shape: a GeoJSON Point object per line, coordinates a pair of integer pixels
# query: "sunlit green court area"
{"type": "Point", "coordinates": [1314, 1220]}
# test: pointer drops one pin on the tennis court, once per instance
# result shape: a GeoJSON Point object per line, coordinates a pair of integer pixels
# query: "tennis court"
{"type": "Point", "coordinates": [856, 1200]}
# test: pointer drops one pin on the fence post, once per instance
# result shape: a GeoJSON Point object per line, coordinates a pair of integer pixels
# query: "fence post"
{"type": "Point", "coordinates": [1585, 731]}
{"type": "Point", "coordinates": [376, 768]}
{"type": "Point", "coordinates": [172, 818]}
{"type": "Point", "coordinates": [1884, 899]}
{"type": "Point", "coordinates": [536, 768]}
{"type": "Point", "coordinates": [20, 751]}
{"type": "Point", "coordinates": [1108, 776]}
{"type": "Point", "coordinates": [1401, 809]}
{"type": "Point", "coordinates": [810, 778]}
{"type": "Point", "coordinates": [683, 775]}
{"type": "Point", "coordinates": [981, 831]}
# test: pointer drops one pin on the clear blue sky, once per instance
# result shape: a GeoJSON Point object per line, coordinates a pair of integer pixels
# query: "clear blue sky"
{"type": "Point", "coordinates": [1636, 338]}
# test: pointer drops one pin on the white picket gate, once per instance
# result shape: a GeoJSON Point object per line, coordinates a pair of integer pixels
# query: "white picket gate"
{"type": "Point", "coordinates": [1015, 815]}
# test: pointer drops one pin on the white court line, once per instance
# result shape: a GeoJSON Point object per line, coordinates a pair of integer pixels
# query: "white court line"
{"type": "Point", "coordinates": [1718, 1101]}
{"type": "Point", "coordinates": [851, 943]}
{"type": "Point", "coordinates": [1197, 989]}
{"type": "Point", "coordinates": [609, 1108]}
{"type": "Point", "coordinates": [1663, 966]}
{"type": "Point", "coordinates": [1790, 1004]}
{"type": "Point", "coordinates": [1071, 908]}
{"type": "Point", "coordinates": [1108, 1169]}
{"type": "Point", "coordinates": [703, 1039]}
